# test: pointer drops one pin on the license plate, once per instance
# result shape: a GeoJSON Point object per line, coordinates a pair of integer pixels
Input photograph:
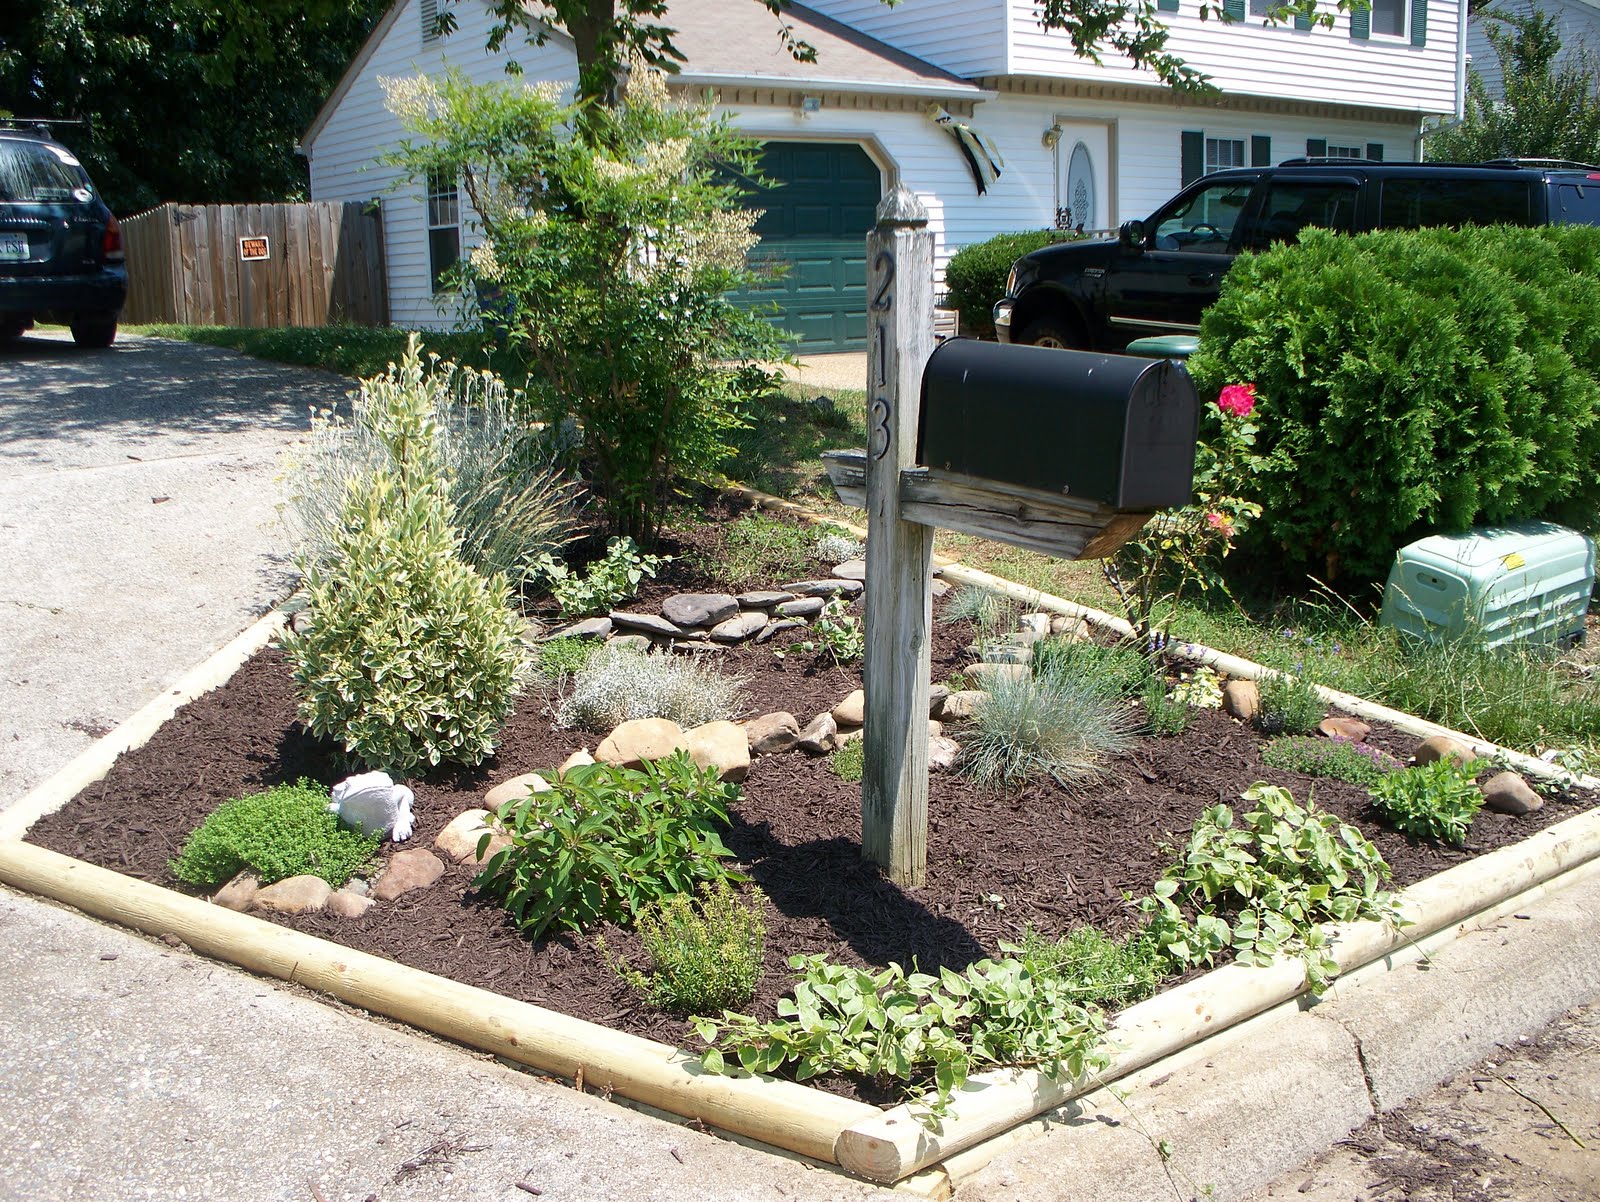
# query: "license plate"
{"type": "Point", "coordinates": [13, 248]}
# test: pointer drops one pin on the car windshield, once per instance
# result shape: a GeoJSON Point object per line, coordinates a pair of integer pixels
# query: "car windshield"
{"type": "Point", "coordinates": [35, 173]}
{"type": "Point", "coordinates": [1204, 221]}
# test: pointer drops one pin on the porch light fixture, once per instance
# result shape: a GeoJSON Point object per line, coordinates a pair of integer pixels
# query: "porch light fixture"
{"type": "Point", "coordinates": [1050, 137]}
{"type": "Point", "coordinates": [809, 105]}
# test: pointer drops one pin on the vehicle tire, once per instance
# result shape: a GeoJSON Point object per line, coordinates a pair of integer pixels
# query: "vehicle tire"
{"type": "Point", "coordinates": [12, 331]}
{"type": "Point", "coordinates": [1053, 332]}
{"type": "Point", "coordinates": [97, 332]}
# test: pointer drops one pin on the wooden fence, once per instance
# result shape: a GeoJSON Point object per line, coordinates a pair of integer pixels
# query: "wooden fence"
{"type": "Point", "coordinates": [259, 265]}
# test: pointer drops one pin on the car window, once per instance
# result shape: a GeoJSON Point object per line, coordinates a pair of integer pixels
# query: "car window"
{"type": "Point", "coordinates": [1577, 204]}
{"type": "Point", "coordinates": [1413, 203]}
{"type": "Point", "coordinates": [33, 173]}
{"type": "Point", "coordinates": [1291, 205]}
{"type": "Point", "coordinates": [1203, 221]}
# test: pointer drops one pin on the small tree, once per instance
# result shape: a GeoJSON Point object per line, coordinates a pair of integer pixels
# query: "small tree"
{"type": "Point", "coordinates": [606, 254]}
{"type": "Point", "coordinates": [1545, 111]}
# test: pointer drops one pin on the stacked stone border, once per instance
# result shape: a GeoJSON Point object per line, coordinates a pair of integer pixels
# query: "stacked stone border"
{"type": "Point", "coordinates": [885, 1146]}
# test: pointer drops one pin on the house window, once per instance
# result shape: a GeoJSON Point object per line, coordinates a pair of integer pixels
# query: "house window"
{"type": "Point", "coordinates": [444, 227]}
{"type": "Point", "coordinates": [1260, 8]}
{"type": "Point", "coordinates": [1343, 152]}
{"type": "Point", "coordinates": [1222, 153]}
{"type": "Point", "coordinates": [1389, 18]}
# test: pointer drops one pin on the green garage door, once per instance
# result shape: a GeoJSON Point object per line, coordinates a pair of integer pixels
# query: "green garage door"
{"type": "Point", "coordinates": [818, 212]}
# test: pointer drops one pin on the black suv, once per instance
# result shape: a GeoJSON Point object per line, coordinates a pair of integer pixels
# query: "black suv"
{"type": "Point", "coordinates": [60, 248]}
{"type": "Point", "coordinates": [1161, 274]}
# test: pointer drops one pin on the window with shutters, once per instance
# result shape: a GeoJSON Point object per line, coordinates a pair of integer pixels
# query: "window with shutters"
{"type": "Point", "coordinates": [428, 12]}
{"type": "Point", "coordinates": [1389, 18]}
{"type": "Point", "coordinates": [1344, 152]}
{"type": "Point", "coordinates": [1222, 153]}
{"type": "Point", "coordinates": [444, 227]}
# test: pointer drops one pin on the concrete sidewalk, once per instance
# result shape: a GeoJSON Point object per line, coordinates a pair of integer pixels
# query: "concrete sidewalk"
{"type": "Point", "coordinates": [137, 529]}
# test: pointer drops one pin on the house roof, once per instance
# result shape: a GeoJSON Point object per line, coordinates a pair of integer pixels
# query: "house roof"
{"type": "Point", "coordinates": [736, 42]}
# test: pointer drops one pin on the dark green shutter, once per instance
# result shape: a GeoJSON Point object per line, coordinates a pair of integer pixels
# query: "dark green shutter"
{"type": "Point", "coordinates": [1233, 10]}
{"type": "Point", "coordinates": [1167, 6]}
{"type": "Point", "coordinates": [1375, 151]}
{"type": "Point", "coordinates": [1419, 22]}
{"type": "Point", "coordinates": [1194, 155]}
{"type": "Point", "coordinates": [1361, 23]}
{"type": "Point", "coordinates": [1317, 148]}
{"type": "Point", "coordinates": [1260, 151]}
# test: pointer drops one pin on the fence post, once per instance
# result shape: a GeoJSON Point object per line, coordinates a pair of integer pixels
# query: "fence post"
{"type": "Point", "coordinates": [894, 783]}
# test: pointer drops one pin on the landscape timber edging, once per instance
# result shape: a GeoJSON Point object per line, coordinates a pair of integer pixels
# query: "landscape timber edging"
{"type": "Point", "coordinates": [877, 1145]}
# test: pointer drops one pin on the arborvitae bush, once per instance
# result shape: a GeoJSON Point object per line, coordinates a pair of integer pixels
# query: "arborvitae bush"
{"type": "Point", "coordinates": [975, 277]}
{"type": "Point", "coordinates": [411, 658]}
{"type": "Point", "coordinates": [1413, 381]}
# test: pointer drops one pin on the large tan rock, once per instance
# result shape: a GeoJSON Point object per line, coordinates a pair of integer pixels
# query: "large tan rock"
{"type": "Point", "coordinates": [342, 903]}
{"type": "Point", "coordinates": [942, 754]}
{"type": "Point", "coordinates": [459, 839]}
{"type": "Point", "coordinates": [1342, 726]}
{"type": "Point", "coordinates": [817, 737]}
{"type": "Point", "coordinates": [1508, 793]}
{"type": "Point", "coordinates": [984, 675]}
{"type": "Point", "coordinates": [772, 733]}
{"type": "Point", "coordinates": [720, 745]}
{"type": "Point", "coordinates": [640, 739]}
{"type": "Point", "coordinates": [962, 704]}
{"type": "Point", "coordinates": [514, 789]}
{"type": "Point", "coordinates": [238, 893]}
{"type": "Point", "coordinates": [1440, 747]}
{"type": "Point", "coordinates": [852, 711]}
{"type": "Point", "coordinates": [577, 759]}
{"type": "Point", "coordinates": [415, 868]}
{"type": "Point", "coordinates": [1242, 699]}
{"type": "Point", "coordinates": [295, 895]}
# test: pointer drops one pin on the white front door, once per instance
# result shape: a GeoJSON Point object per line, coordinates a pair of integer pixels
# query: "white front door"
{"type": "Point", "coordinates": [1084, 175]}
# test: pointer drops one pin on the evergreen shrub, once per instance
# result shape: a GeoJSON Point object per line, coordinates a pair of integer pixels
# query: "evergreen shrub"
{"type": "Point", "coordinates": [1413, 381]}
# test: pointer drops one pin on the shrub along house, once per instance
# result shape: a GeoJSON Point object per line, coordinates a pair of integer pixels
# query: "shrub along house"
{"type": "Point", "coordinates": [994, 123]}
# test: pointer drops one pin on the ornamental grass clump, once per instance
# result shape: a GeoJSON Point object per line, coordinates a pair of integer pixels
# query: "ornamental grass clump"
{"type": "Point", "coordinates": [1121, 667]}
{"type": "Point", "coordinates": [1289, 705]}
{"type": "Point", "coordinates": [604, 841]}
{"type": "Point", "coordinates": [1437, 800]}
{"type": "Point", "coordinates": [281, 832]}
{"type": "Point", "coordinates": [619, 684]}
{"type": "Point", "coordinates": [704, 954]}
{"type": "Point", "coordinates": [411, 658]}
{"type": "Point", "coordinates": [1063, 728]}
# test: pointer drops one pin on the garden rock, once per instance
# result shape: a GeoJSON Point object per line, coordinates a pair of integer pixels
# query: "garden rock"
{"type": "Point", "coordinates": [942, 754]}
{"type": "Point", "coordinates": [720, 745]}
{"type": "Point", "coordinates": [802, 607]}
{"type": "Point", "coordinates": [1076, 629]}
{"type": "Point", "coordinates": [851, 569]}
{"type": "Point", "coordinates": [936, 695]}
{"type": "Point", "coordinates": [459, 840]}
{"type": "Point", "coordinates": [776, 628]}
{"type": "Point", "coordinates": [238, 893]}
{"type": "Point", "coordinates": [963, 704]}
{"type": "Point", "coordinates": [417, 868]}
{"type": "Point", "coordinates": [648, 623]}
{"type": "Point", "coordinates": [374, 805]}
{"type": "Point", "coordinates": [640, 739]}
{"type": "Point", "coordinates": [1037, 625]}
{"type": "Point", "coordinates": [632, 642]}
{"type": "Point", "coordinates": [1341, 727]}
{"type": "Point", "coordinates": [764, 599]}
{"type": "Point", "coordinates": [987, 673]}
{"type": "Point", "coordinates": [1242, 699]}
{"type": "Point", "coordinates": [358, 885]}
{"type": "Point", "coordinates": [577, 759]}
{"type": "Point", "coordinates": [588, 628]}
{"type": "Point", "coordinates": [817, 737]}
{"type": "Point", "coordinates": [1006, 653]}
{"type": "Point", "coordinates": [739, 627]}
{"type": "Point", "coordinates": [826, 588]}
{"type": "Point", "coordinates": [344, 904]}
{"type": "Point", "coordinates": [298, 894]}
{"type": "Point", "coordinates": [940, 588]}
{"type": "Point", "coordinates": [514, 789]}
{"type": "Point", "coordinates": [1440, 747]}
{"type": "Point", "coordinates": [1508, 793]}
{"type": "Point", "coordinates": [699, 609]}
{"type": "Point", "coordinates": [852, 711]}
{"type": "Point", "coordinates": [772, 733]}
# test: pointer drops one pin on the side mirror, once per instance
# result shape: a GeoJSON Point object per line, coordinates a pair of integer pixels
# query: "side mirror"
{"type": "Point", "coordinates": [1132, 235]}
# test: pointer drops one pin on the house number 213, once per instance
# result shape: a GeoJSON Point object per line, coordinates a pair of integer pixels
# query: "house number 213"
{"type": "Point", "coordinates": [880, 410]}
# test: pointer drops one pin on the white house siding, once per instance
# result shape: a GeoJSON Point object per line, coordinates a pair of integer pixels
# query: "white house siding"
{"type": "Point", "coordinates": [1245, 59]}
{"type": "Point", "coordinates": [966, 37]}
{"type": "Point", "coordinates": [344, 151]}
{"type": "Point", "coordinates": [1577, 23]}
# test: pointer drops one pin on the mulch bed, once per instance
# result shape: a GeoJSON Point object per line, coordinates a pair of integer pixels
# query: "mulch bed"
{"type": "Point", "coordinates": [997, 862]}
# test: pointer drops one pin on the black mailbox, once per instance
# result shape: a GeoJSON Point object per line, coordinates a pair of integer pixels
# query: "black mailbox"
{"type": "Point", "coordinates": [1112, 429]}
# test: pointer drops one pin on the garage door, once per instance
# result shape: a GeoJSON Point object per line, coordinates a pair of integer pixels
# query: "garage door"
{"type": "Point", "coordinates": [818, 212]}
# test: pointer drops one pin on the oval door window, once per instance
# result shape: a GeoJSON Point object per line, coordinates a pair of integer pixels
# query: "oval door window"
{"type": "Point", "coordinates": [1080, 187]}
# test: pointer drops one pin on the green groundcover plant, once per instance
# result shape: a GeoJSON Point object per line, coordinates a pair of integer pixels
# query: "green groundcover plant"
{"type": "Point", "coordinates": [704, 952]}
{"type": "Point", "coordinates": [1437, 800]}
{"type": "Point", "coordinates": [278, 833]}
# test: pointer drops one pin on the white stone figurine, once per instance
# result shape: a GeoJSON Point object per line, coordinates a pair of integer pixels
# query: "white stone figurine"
{"type": "Point", "coordinates": [375, 804]}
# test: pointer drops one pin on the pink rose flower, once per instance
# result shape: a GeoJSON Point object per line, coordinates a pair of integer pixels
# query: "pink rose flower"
{"type": "Point", "coordinates": [1222, 522]}
{"type": "Point", "coordinates": [1238, 400]}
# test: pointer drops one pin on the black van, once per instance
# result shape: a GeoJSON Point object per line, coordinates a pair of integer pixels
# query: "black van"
{"type": "Point", "coordinates": [1160, 274]}
{"type": "Point", "coordinates": [60, 249]}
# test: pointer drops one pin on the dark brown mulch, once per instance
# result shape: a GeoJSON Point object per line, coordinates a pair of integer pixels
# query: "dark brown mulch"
{"type": "Point", "coordinates": [997, 862]}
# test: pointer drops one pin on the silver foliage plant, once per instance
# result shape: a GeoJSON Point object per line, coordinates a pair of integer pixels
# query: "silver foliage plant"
{"type": "Point", "coordinates": [509, 499]}
{"type": "Point", "coordinates": [619, 684]}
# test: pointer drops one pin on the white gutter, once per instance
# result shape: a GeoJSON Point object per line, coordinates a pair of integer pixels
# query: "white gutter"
{"type": "Point", "coordinates": [933, 91]}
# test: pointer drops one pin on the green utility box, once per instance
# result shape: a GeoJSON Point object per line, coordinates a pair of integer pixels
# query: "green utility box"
{"type": "Point", "coordinates": [1164, 346]}
{"type": "Point", "coordinates": [1502, 584]}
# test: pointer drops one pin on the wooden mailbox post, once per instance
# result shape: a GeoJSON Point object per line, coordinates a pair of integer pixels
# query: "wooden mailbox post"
{"type": "Point", "coordinates": [905, 501]}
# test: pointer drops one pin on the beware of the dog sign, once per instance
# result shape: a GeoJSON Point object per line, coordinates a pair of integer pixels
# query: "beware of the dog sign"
{"type": "Point", "coordinates": [253, 248]}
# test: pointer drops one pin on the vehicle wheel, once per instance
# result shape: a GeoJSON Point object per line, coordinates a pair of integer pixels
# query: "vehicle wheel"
{"type": "Point", "coordinates": [1054, 333]}
{"type": "Point", "coordinates": [11, 331]}
{"type": "Point", "coordinates": [94, 333]}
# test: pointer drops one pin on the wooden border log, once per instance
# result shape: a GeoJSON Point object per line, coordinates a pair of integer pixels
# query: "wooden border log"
{"type": "Point", "coordinates": [804, 1120]}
